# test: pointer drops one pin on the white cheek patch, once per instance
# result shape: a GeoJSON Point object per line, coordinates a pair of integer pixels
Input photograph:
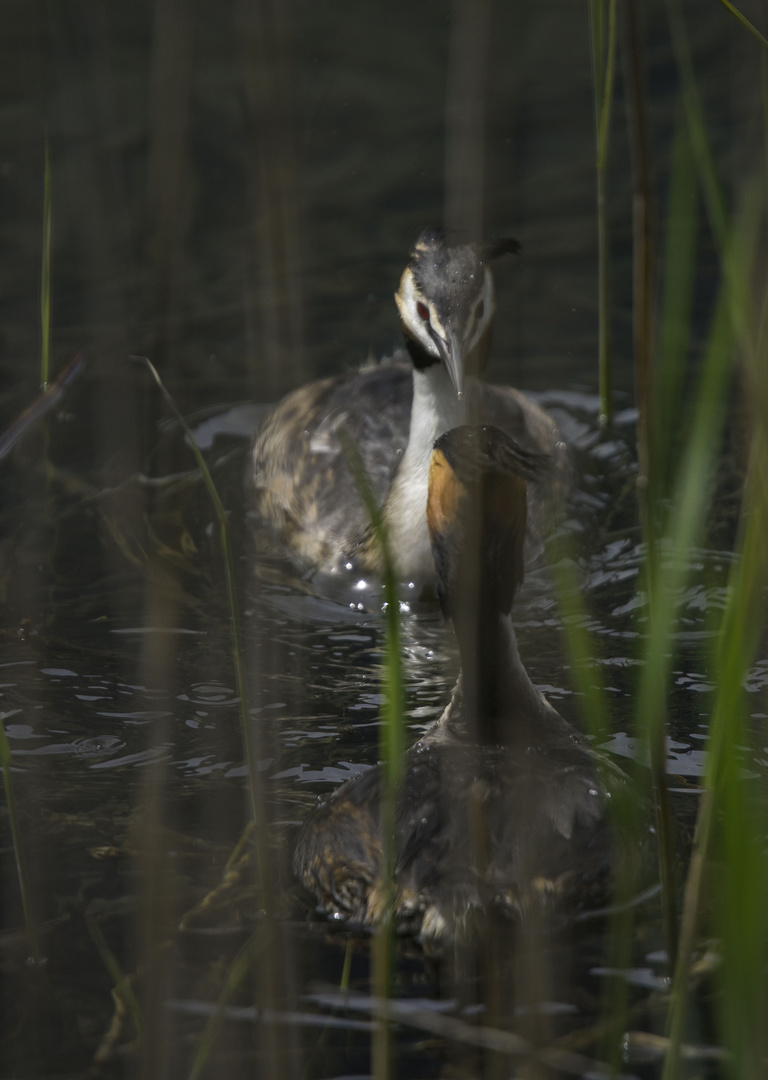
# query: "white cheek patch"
{"type": "Point", "coordinates": [407, 298]}
{"type": "Point", "coordinates": [435, 323]}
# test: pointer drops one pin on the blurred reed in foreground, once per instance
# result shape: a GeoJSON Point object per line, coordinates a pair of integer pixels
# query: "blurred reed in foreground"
{"type": "Point", "coordinates": [683, 411]}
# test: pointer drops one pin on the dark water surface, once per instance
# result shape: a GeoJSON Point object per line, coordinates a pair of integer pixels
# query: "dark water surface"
{"type": "Point", "coordinates": [235, 189]}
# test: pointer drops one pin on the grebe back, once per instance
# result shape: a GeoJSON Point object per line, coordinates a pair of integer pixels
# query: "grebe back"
{"type": "Point", "coordinates": [302, 487]}
{"type": "Point", "coordinates": [502, 801]}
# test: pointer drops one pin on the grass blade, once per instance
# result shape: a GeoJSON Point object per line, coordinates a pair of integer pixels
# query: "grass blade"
{"type": "Point", "coordinates": [122, 985]}
{"type": "Point", "coordinates": [737, 640]}
{"type": "Point", "coordinates": [269, 930]}
{"type": "Point", "coordinates": [42, 405]}
{"type": "Point", "coordinates": [694, 113]}
{"type": "Point", "coordinates": [676, 307]}
{"type": "Point", "coordinates": [18, 850]}
{"type": "Point", "coordinates": [392, 740]}
{"type": "Point", "coordinates": [733, 10]}
{"type": "Point", "coordinates": [45, 280]}
{"type": "Point", "coordinates": [603, 69]}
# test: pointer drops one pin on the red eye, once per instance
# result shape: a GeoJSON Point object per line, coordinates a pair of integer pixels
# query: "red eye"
{"type": "Point", "coordinates": [479, 311]}
{"type": "Point", "coordinates": [423, 311]}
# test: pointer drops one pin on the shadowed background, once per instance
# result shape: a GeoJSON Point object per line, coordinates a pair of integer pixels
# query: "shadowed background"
{"type": "Point", "coordinates": [235, 187]}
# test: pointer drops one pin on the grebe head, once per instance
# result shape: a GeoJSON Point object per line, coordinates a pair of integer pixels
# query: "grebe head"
{"type": "Point", "coordinates": [446, 304]}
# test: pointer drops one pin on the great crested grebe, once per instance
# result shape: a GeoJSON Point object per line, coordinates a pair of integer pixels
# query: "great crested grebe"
{"type": "Point", "coordinates": [502, 803]}
{"type": "Point", "coordinates": [393, 413]}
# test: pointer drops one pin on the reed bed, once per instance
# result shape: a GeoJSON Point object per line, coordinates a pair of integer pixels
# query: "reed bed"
{"type": "Point", "coordinates": [689, 384]}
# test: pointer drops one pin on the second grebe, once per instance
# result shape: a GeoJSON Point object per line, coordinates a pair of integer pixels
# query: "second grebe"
{"type": "Point", "coordinates": [502, 802]}
{"type": "Point", "coordinates": [393, 412]}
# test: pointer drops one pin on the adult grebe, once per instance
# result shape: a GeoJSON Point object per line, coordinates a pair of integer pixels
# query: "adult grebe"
{"type": "Point", "coordinates": [502, 803]}
{"type": "Point", "coordinates": [393, 413]}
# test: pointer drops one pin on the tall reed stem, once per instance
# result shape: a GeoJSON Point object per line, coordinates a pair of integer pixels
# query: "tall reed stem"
{"type": "Point", "coordinates": [45, 278]}
{"type": "Point", "coordinates": [726, 812]}
{"type": "Point", "coordinates": [269, 938]}
{"type": "Point", "coordinates": [18, 850]}
{"type": "Point", "coordinates": [647, 485]}
{"type": "Point", "coordinates": [603, 68]}
{"type": "Point", "coordinates": [744, 21]}
{"type": "Point", "coordinates": [391, 746]}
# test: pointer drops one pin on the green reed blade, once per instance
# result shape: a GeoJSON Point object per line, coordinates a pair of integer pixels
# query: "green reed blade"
{"type": "Point", "coordinates": [689, 504]}
{"type": "Point", "coordinates": [737, 636]}
{"type": "Point", "coordinates": [122, 984]}
{"type": "Point", "coordinates": [240, 968]}
{"type": "Point", "coordinates": [677, 299]}
{"type": "Point", "coordinates": [597, 30]}
{"type": "Point", "coordinates": [272, 965]}
{"type": "Point", "coordinates": [740, 826]}
{"type": "Point", "coordinates": [764, 99]}
{"type": "Point", "coordinates": [18, 850]}
{"type": "Point", "coordinates": [603, 74]}
{"type": "Point", "coordinates": [346, 970]}
{"type": "Point", "coordinates": [741, 821]}
{"type": "Point", "coordinates": [682, 529]}
{"type": "Point", "coordinates": [624, 811]}
{"type": "Point", "coordinates": [740, 889]}
{"type": "Point", "coordinates": [713, 195]}
{"type": "Point", "coordinates": [45, 279]}
{"type": "Point", "coordinates": [604, 88]}
{"type": "Point", "coordinates": [581, 646]}
{"type": "Point", "coordinates": [392, 741]}
{"type": "Point", "coordinates": [733, 10]}
{"type": "Point", "coordinates": [644, 268]}
{"type": "Point", "coordinates": [45, 401]}
{"type": "Point", "coordinates": [393, 733]}
{"type": "Point", "coordinates": [234, 610]}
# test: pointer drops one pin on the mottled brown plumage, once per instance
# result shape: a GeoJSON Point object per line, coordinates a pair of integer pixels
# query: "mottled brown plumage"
{"type": "Point", "coordinates": [302, 488]}
{"type": "Point", "coordinates": [502, 802]}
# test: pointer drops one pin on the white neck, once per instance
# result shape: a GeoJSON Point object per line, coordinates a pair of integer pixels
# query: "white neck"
{"type": "Point", "coordinates": [436, 408]}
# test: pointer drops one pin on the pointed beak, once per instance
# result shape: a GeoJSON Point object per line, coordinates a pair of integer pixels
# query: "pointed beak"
{"type": "Point", "coordinates": [452, 356]}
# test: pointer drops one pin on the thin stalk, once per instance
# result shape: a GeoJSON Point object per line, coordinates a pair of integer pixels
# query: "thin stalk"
{"type": "Point", "coordinates": [764, 97]}
{"type": "Point", "coordinates": [733, 10]}
{"type": "Point", "coordinates": [237, 643]}
{"type": "Point", "coordinates": [391, 748]}
{"type": "Point", "coordinates": [740, 893]}
{"type": "Point", "coordinates": [647, 481]}
{"type": "Point", "coordinates": [122, 985]}
{"type": "Point", "coordinates": [580, 645]}
{"type": "Point", "coordinates": [689, 506]}
{"type": "Point", "coordinates": [258, 814]}
{"type": "Point", "coordinates": [737, 641]}
{"type": "Point", "coordinates": [46, 400]}
{"type": "Point", "coordinates": [740, 821]}
{"type": "Point", "coordinates": [625, 808]}
{"type": "Point", "coordinates": [606, 90]}
{"type": "Point", "coordinates": [676, 305]}
{"type": "Point", "coordinates": [605, 377]}
{"type": "Point", "coordinates": [347, 969]}
{"type": "Point", "coordinates": [713, 196]}
{"type": "Point", "coordinates": [45, 281]}
{"type": "Point", "coordinates": [603, 68]}
{"type": "Point", "coordinates": [238, 971]}
{"type": "Point", "coordinates": [762, 344]}
{"type": "Point", "coordinates": [732, 268]}
{"type": "Point", "coordinates": [643, 290]}
{"type": "Point", "coordinates": [6, 762]}
{"type": "Point", "coordinates": [694, 884]}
